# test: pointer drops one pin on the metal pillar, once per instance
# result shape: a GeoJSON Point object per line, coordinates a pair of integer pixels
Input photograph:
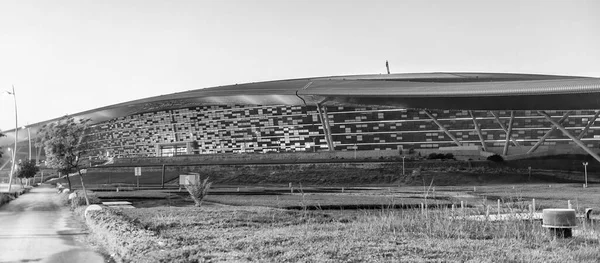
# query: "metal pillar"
{"type": "Point", "coordinates": [442, 128]}
{"type": "Point", "coordinates": [541, 140]}
{"type": "Point", "coordinates": [478, 130]}
{"type": "Point", "coordinates": [508, 132]}
{"type": "Point", "coordinates": [503, 127]}
{"type": "Point", "coordinates": [325, 130]}
{"type": "Point", "coordinates": [589, 124]}
{"type": "Point", "coordinates": [329, 136]}
{"type": "Point", "coordinates": [568, 134]}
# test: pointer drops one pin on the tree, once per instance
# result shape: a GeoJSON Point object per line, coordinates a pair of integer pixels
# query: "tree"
{"type": "Point", "coordinates": [27, 169]}
{"type": "Point", "coordinates": [64, 143]}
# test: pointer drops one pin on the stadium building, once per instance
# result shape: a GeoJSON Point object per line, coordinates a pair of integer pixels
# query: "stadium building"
{"type": "Point", "coordinates": [506, 114]}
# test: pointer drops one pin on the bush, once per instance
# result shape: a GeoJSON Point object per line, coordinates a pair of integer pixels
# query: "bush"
{"type": "Point", "coordinates": [495, 158]}
{"type": "Point", "coordinates": [79, 200]}
{"type": "Point", "coordinates": [63, 199]}
{"type": "Point", "coordinates": [417, 171]}
{"type": "Point", "coordinates": [440, 156]}
{"type": "Point", "coordinates": [4, 198]}
{"type": "Point", "coordinates": [198, 190]}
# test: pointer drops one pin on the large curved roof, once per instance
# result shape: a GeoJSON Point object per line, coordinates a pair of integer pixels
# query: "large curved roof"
{"type": "Point", "coordinates": [472, 91]}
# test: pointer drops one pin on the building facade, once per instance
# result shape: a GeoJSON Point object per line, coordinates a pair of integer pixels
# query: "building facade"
{"type": "Point", "coordinates": [266, 129]}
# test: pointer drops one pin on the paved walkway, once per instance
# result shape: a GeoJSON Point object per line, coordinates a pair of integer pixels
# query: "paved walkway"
{"type": "Point", "coordinates": [34, 229]}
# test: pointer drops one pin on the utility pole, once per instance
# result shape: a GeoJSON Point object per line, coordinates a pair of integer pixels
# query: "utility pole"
{"type": "Point", "coordinates": [29, 137]}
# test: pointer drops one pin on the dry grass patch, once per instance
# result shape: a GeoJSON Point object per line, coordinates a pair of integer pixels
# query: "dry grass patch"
{"type": "Point", "coordinates": [243, 234]}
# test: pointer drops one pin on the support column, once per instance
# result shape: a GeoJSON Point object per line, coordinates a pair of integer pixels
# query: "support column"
{"type": "Point", "coordinates": [325, 130]}
{"type": "Point", "coordinates": [442, 127]}
{"type": "Point", "coordinates": [478, 130]}
{"type": "Point", "coordinates": [568, 134]}
{"type": "Point", "coordinates": [329, 135]}
{"type": "Point", "coordinates": [508, 132]}
{"type": "Point", "coordinates": [589, 124]}
{"type": "Point", "coordinates": [503, 127]}
{"type": "Point", "coordinates": [541, 140]}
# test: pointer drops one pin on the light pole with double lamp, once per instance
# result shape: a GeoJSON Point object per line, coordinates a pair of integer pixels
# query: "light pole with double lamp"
{"type": "Point", "coordinates": [14, 157]}
{"type": "Point", "coordinates": [12, 167]}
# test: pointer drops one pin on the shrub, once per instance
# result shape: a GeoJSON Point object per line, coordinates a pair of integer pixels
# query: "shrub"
{"type": "Point", "coordinates": [79, 200]}
{"type": "Point", "coordinates": [416, 171]}
{"type": "Point", "coordinates": [495, 158]}
{"type": "Point", "coordinates": [4, 198]}
{"type": "Point", "coordinates": [440, 156]}
{"type": "Point", "coordinates": [63, 199]}
{"type": "Point", "coordinates": [198, 190]}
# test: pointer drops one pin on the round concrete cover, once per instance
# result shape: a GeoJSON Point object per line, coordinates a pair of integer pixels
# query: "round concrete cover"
{"type": "Point", "coordinates": [557, 218]}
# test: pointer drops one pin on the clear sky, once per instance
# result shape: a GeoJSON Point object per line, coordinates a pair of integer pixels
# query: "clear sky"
{"type": "Point", "coordinates": [64, 57]}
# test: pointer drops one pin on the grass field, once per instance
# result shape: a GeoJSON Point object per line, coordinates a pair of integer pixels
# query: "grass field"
{"type": "Point", "coordinates": [243, 234]}
{"type": "Point", "coordinates": [250, 226]}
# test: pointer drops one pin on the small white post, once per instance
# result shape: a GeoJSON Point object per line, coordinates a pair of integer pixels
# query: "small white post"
{"type": "Point", "coordinates": [533, 204]}
{"type": "Point", "coordinates": [498, 207]}
{"type": "Point", "coordinates": [487, 211]}
{"type": "Point", "coordinates": [342, 189]}
{"type": "Point", "coordinates": [291, 190]}
{"type": "Point", "coordinates": [290, 185]}
{"type": "Point", "coordinates": [569, 204]}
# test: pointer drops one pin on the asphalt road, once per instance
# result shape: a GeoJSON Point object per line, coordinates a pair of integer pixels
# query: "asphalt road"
{"type": "Point", "coordinates": [33, 228]}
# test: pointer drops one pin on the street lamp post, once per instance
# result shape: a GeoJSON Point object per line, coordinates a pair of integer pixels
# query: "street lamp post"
{"type": "Point", "coordinates": [29, 138]}
{"type": "Point", "coordinates": [585, 164]}
{"type": "Point", "coordinates": [14, 157]}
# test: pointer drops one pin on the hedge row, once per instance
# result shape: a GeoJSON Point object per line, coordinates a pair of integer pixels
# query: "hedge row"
{"type": "Point", "coordinates": [124, 238]}
{"type": "Point", "coordinates": [4, 198]}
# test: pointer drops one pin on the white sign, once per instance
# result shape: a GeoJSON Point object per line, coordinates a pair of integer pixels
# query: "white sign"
{"type": "Point", "coordinates": [188, 179]}
{"type": "Point", "coordinates": [138, 171]}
